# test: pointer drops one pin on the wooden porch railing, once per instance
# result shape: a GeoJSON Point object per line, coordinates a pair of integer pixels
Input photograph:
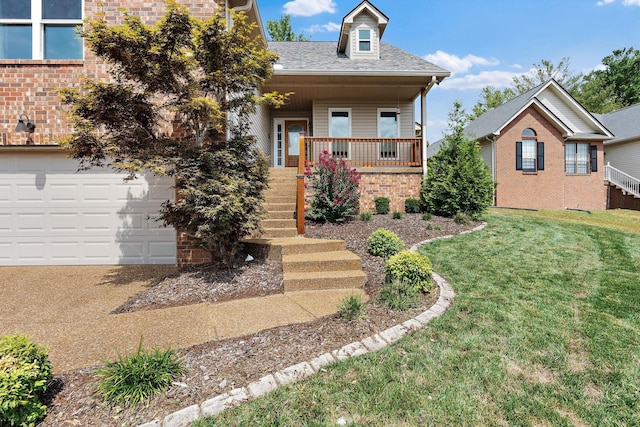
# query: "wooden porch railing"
{"type": "Point", "coordinates": [366, 152]}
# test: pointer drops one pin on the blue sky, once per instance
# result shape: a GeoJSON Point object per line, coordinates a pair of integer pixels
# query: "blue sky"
{"type": "Point", "coordinates": [482, 42]}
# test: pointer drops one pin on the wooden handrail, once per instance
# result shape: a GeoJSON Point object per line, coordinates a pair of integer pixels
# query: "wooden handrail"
{"type": "Point", "coordinates": [300, 187]}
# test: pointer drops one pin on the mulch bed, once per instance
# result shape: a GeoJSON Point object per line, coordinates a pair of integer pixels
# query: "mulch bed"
{"type": "Point", "coordinates": [219, 366]}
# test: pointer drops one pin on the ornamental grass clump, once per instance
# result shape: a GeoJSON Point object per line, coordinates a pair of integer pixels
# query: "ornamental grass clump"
{"type": "Point", "coordinates": [335, 189]}
{"type": "Point", "coordinates": [134, 378]}
{"type": "Point", "coordinates": [384, 243]}
{"type": "Point", "coordinates": [25, 371]}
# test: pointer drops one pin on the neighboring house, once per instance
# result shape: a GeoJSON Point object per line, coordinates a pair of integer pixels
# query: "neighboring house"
{"type": "Point", "coordinates": [354, 97]}
{"type": "Point", "coordinates": [622, 157]}
{"type": "Point", "coordinates": [544, 151]}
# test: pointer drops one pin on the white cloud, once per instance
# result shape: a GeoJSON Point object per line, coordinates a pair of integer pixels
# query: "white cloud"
{"type": "Point", "coordinates": [630, 2]}
{"type": "Point", "coordinates": [309, 7]}
{"type": "Point", "coordinates": [497, 79]}
{"type": "Point", "coordinates": [455, 64]}
{"type": "Point", "coordinates": [605, 2]}
{"type": "Point", "coordinates": [326, 28]}
{"type": "Point", "coordinates": [516, 66]}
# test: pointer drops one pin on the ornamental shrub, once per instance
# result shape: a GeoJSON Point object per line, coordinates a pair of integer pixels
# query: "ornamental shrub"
{"type": "Point", "coordinates": [458, 180]}
{"type": "Point", "coordinates": [411, 269]}
{"type": "Point", "coordinates": [399, 296]}
{"type": "Point", "coordinates": [396, 215]}
{"type": "Point", "coordinates": [335, 189]}
{"type": "Point", "coordinates": [412, 205]}
{"type": "Point", "coordinates": [384, 243]}
{"type": "Point", "coordinates": [382, 205]}
{"type": "Point", "coordinates": [366, 216]}
{"type": "Point", "coordinates": [25, 371]}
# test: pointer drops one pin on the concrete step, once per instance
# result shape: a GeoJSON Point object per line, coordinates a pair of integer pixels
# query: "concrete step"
{"type": "Point", "coordinates": [283, 172]}
{"type": "Point", "coordinates": [276, 248]}
{"type": "Point", "coordinates": [304, 281]}
{"type": "Point", "coordinates": [278, 223]}
{"type": "Point", "coordinates": [270, 233]}
{"type": "Point", "coordinates": [322, 262]}
{"type": "Point", "coordinates": [271, 206]}
{"type": "Point", "coordinates": [281, 198]}
{"type": "Point", "coordinates": [280, 215]}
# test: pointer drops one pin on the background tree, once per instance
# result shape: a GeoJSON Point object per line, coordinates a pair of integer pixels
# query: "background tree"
{"type": "Point", "coordinates": [458, 180]}
{"type": "Point", "coordinates": [281, 31]}
{"type": "Point", "coordinates": [615, 86]}
{"type": "Point", "coordinates": [490, 97]}
{"type": "Point", "coordinates": [177, 87]}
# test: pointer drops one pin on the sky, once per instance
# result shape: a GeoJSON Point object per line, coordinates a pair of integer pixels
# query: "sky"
{"type": "Point", "coordinates": [481, 42]}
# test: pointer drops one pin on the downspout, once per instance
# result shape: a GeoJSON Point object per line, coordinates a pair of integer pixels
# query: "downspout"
{"type": "Point", "coordinates": [423, 124]}
{"type": "Point", "coordinates": [493, 140]}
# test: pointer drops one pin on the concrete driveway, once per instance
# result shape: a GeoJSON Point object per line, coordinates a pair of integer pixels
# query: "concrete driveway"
{"type": "Point", "coordinates": [68, 310]}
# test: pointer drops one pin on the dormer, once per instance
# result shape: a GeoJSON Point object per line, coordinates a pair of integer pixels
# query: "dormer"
{"type": "Point", "coordinates": [361, 32]}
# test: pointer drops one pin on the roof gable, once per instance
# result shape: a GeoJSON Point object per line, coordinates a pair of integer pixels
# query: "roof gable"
{"type": "Point", "coordinates": [347, 22]}
{"type": "Point", "coordinates": [550, 99]}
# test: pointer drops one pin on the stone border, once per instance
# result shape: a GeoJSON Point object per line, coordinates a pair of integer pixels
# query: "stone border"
{"type": "Point", "coordinates": [269, 383]}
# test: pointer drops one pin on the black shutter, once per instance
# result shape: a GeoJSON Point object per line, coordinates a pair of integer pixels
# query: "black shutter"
{"type": "Point", "coordinates": [594, 158]}
{"type": "Point", "coordinates": [518, 155]}
{"type": "Point", "coordinates": [540, 155]}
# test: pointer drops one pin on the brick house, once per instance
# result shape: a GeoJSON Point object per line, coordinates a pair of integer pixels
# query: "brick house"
{"type": "Point", "coordinates": [544, 151]}
{"type": "Point", "coordinates": [354, 97]}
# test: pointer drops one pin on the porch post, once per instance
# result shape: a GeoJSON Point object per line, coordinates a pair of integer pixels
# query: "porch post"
{"type": "Point", "coordinates": [423, 126]}
{"type": "Point", "coordinates": [300, 186]}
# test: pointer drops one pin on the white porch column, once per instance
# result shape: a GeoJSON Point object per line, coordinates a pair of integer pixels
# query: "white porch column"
{"type": "Point", "coordinates": [423, 125]}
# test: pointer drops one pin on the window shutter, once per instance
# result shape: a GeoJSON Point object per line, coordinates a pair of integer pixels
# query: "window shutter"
{"type": "Point", "coordinates": [518, 155]}
{"type": "Point", "coordinates": [540, 155]}
{"type": "Point", "coordinates": [594, 158]}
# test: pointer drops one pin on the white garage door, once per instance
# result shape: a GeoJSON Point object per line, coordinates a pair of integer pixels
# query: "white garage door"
{"type": "Point", "coordinates": [52, 215]}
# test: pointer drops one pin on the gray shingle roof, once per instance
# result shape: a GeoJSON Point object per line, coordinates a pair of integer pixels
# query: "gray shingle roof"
{"type": "Point", "coordinates": [624, 123]}
{"type": "Point", "coordinates": [323, 58]}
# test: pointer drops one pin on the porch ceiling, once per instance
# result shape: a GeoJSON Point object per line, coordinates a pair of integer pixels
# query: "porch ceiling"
{"type": "Point", "coordinates": [308, 88]}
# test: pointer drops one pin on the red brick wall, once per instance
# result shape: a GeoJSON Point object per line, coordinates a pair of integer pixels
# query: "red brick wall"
{"type": "Point", "coordinates": [550, 188]}
{"type": "Point", "coordinates": [31, 86]}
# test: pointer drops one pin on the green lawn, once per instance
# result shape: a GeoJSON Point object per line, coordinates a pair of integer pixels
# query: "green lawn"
{"type": "Point", "coordinates": [544, 330]}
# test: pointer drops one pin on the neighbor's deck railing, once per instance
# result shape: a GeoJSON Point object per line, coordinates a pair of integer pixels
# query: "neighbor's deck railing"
{"type": "Point", "coordinates": [366, 152]}
{"type": "Point", "coordinates": [622, 180]}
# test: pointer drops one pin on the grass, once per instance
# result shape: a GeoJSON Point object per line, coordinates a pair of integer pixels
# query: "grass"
{"type": "Point", "coordinates": [544, 330]}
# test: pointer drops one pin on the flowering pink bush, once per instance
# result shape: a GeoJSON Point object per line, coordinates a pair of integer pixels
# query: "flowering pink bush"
{"type": "Point", "coordinates": [335, 189]}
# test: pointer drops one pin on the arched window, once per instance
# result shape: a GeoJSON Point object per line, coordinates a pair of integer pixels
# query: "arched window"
{"type": "Point", "coordinates": [529, 152]}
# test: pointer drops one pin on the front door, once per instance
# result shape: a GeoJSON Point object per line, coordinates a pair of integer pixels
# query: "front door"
{"type": "Point", "coordinates": [293, 129]}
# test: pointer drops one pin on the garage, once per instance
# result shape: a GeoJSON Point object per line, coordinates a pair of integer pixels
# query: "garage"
{"type": "Point", "coordinates": [52, 215]}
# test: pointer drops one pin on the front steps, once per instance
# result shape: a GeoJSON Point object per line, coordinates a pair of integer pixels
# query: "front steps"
{"type": "Point", "coordinates": [280, 203]}
{"type": "Point", "coordinates": [311, 264]}
{"type": "Point", "coordinates": [308, 264]}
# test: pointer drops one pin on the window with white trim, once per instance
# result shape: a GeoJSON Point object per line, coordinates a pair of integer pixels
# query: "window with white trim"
{"type": "Point", "coordinates": [364, 40]}
{"type": "Point", "coordinates": [529, 152]}
{"type": "Point", "coordinates": [388, 127]}
{"type": "Point", "coordinates": [40, 29]}
{"type": "Point", "coordinates": [340, 126]}
{"type": "Point", "coordinates": [578, 157]}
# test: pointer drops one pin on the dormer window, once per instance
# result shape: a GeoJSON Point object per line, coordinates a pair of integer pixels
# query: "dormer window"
{"type": "Point", "coordinates": [364, 40]}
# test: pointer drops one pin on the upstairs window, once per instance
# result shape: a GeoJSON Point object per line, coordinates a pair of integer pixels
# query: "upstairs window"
{"type": "Point", "coordinates": [529, 152]}
{"type": "Point", "coordinates": [40, 29]}
{"type": "Point", "coordinates": [364, 40]}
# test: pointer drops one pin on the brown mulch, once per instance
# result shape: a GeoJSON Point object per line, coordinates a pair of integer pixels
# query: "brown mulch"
{"type": "Point", "coordinates": [219, 366]}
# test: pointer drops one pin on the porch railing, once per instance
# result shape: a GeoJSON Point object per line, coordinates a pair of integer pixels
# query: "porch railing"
{"type": "Point", "coordinates": [620, 179]}
{"type": "Point", "coordinates": [366, 152]}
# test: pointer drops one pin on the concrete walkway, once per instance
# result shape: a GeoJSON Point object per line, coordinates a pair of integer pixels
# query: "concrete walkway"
{"type": "Point", "coordinates": [67, 309]}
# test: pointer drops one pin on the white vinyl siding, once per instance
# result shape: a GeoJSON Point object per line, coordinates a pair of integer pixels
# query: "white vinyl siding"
{"type": "Point", "coordinates": [52, 215]}
{"type": "Point", "coordinates": [625, 157]}
{"type": "Point", "coordinates": [564, 112]}
{"type": "Point", "coordinates": [486, 152]}
{"type": "Point", "coordinates": [364, 21]}
{"type": "Point", "coordinates": [364, 117]}
{"type": "Point", "coordinates": [259, 125]}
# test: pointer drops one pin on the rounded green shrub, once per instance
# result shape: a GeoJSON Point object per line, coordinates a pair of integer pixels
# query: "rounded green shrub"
{"type": "Point", "coordinates": [25, 371]}
{"type": "Point", "coordinates": [382, 205]}
{"type": "Point", "coordinates": [411, 269]}
{"type": "Point", "coordinates": [383, 242]}
{"type": "Point", "coordinates": [396, 215]}
{"type": "Point", "coordinates": [412, 205]}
